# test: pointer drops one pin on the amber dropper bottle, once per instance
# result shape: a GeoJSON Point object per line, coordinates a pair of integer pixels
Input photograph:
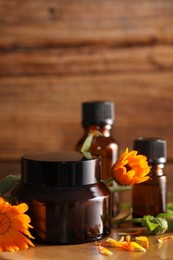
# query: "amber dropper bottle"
{"type": "Point", "coordinates": [149, 198]}
{"type": "Point", "coordinates": [99, 116]}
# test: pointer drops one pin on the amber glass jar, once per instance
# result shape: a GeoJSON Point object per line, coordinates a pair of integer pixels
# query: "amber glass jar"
{"type": "Point", "coordinates": [150, 197]}
{"type": "Point", "coordinates": [68, 203]}
{"type": "Point", "coordinates": [99, 116]}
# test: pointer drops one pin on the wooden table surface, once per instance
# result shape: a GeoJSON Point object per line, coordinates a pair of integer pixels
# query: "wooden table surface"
{"type": "Point", "coordinates": [89, 251]}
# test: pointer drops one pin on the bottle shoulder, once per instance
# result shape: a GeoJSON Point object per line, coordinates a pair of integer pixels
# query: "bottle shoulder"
{"type": "Point", "coordinates": [101, 141]}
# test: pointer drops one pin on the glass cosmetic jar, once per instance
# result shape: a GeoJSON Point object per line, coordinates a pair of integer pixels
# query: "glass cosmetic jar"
{"type": "Point", "coordinates": [68, 202]}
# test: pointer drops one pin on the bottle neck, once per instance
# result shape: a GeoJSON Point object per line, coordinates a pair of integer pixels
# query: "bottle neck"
{"type": "Point", "coordinates": [104, 129]}
{"type": "Point", "coordinates": [156, 169]}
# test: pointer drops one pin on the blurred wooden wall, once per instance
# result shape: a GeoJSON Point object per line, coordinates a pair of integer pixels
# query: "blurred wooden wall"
{"type": "Point", "coordinates": [56, 54]}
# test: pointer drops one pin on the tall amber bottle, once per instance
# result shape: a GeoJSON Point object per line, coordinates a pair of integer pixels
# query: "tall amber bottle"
{"type": "Point", "coordinates": [99, 116]}
{"type": "Point", "coordinates": [149, 198]}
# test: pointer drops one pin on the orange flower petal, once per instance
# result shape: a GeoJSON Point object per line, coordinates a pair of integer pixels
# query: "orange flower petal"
{"type": "Point", "coordinates": [142, 241]}
{"type": "Point", "coordinates": [19, 209]}
{"type": "Point", "coordinates": [104, 251]}
{"type": "Point", "coordinates": [162, 239]}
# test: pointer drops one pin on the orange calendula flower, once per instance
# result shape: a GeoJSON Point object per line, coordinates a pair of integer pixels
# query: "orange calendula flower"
{"type": "Point", "coordinates": [130, 168]}
{"type": "Point", "coordinates": [14, 226]}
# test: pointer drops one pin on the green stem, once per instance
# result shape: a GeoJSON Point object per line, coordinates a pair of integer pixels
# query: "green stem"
{"type": "Point", "coordinates": [137, 220]}
{"type": "Point", "coordinates": [125, 220]}
{"type": "Point", "coordinates": [108, 181]}
{"type": "Point", "coordinates": [119, 188]}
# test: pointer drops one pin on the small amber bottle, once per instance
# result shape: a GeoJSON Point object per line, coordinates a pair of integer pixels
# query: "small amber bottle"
{"type": "Point", "coordinates": [149, 198]}
{"type": "Point", "coordinates": [99, 116]}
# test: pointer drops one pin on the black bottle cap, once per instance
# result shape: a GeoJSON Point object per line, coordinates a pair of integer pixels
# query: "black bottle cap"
{"type": "Point", "coordinates": [97, 113]}
{"type": "Point", "coordinates": [153, 148]}
{"type": "Point", "coordinates": [59, 169]}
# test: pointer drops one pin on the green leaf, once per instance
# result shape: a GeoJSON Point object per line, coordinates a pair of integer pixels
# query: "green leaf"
{"type": "Point", "coordinates": [170, 206]}
{"type": "Point", "coordinates": [7, 184]}
{"type": "Point", "coordinates": [87, 155]}
{"type": "Point", "coordinates": [169, 217]}
{"type": "Point", "coordinates": [156, 225]}
{"type": "Point", "coordinates": [170, 225]}
{"type": "Point", "coordinates": [88, 141]}
{"type": "Point", "coordinates": [151, 226]}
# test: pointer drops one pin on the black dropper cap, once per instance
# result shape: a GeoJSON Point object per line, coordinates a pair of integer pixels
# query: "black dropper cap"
{"type": "Point", "coordinates": [97, 113]}
{"type": "Point", "coordinates": [153, 148]}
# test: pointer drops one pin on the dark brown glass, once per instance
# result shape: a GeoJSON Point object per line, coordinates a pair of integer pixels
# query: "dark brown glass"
{"type": "Point", "coordinates": [107, 148]}
{"type": "Point", "coordinates": [149, 198]}
{"type": "Point", "coordinates": [67, 215]}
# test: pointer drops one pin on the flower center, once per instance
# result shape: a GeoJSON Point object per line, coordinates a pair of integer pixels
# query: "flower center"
{"type": "Point", "coordinates": [4, 223]}
{"type": "Point", "coordinates": [128, 168]}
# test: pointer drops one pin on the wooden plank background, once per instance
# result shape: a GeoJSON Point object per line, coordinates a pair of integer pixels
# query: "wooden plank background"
{"type": "Point", "coordinates": [56, 54]}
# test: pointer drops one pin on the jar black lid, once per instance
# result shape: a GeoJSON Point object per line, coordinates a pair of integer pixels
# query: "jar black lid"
{"type": "Point", "coordinates": [59, 169]}
{"type": "Point", "coordinates": [153, 148]}
{"type": "Point", "coordinates": [97, 113]}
